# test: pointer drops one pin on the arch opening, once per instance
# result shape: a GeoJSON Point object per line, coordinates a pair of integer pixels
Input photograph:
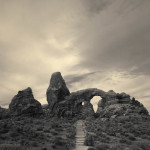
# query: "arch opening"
{"type": "Point", "coordinates": [94, 101]}
{"type": "Point", "coordinates": [82, 103]}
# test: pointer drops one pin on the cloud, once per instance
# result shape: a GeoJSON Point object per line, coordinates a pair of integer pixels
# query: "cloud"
{"type": "Point", "coordinates": [78, 77]}
{"type": "Point", "coordinates": [117, 42]}
{"type": "Point", "coordinates": [146, 96]}
{"type": "Point", "coordinates": [96, 6]}
{"type": "Point", "coordinates": [94, 43]}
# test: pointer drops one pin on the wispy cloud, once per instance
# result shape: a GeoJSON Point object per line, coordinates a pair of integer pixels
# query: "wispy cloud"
{"type": "Point", "coordinates": [70, 79]}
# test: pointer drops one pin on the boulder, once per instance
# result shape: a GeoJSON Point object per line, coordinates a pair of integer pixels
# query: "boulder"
{"type": "Point", "coordinates": [122, 95]}
{"type": "Point", "coordinates": [57, 90]}
{"type": "Point", "coordinates": [24, 103]}
{"type": "Point", "coordinates": [123, 98]}
{"type": "Point", "coordinates": [111, 93]}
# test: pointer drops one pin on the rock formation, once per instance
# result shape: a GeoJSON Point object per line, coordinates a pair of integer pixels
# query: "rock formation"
{"type": "Point", "coordinates": [86, 94]}
{"type": "Point", "coordinates": [73, 102]}
{"type": "Point", "coordinates": [113, 105]}
{"type": "Point", "coordinates": [4, 113]}
{"type": "Point", "coordinates": [57, 90]}
{"type": "Point", "coordinates": [24, 103]}
{"type": "Point", "coordinates": [62, 103]}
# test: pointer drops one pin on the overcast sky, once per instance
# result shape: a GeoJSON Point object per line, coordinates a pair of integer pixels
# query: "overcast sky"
{"type": "Point", "coordinates": [94, 43]}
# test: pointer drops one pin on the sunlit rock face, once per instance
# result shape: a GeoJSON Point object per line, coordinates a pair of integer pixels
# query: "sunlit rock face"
{"type": "Point", "coordinates": [57, 90]}
{"type": "Point", "coordinates": [24, 103]}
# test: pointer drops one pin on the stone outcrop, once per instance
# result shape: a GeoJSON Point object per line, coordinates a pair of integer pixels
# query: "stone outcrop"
{"type": "Point", "coordinates": [24, 103]}
{"type": "Point", "coordinates": [115, 104]}
{"type": "Point", "coordinates": [57, 90]}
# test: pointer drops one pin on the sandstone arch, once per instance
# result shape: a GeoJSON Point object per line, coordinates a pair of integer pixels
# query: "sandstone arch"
{"type": "Point", "coordinates": [74, 101]}
{"type": "Point", "coordinates": [63, 103]}
{"type": "Point", "coordinates": [60, 100]}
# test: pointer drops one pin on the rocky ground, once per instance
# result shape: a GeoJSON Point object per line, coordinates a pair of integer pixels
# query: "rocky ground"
{"type": "Point", "coordinates": [39, 133]}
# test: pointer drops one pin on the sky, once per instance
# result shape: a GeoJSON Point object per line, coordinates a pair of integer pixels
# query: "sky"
{"type": "Point", "coordinates": [102, 44]}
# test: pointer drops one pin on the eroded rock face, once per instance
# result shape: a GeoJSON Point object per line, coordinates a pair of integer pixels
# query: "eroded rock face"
{"type": "Point", "coordinates": [113, 105]}
{"type": "Point", "coordinates": [57, 90]}
{"type": "Point", "coordinates": [24, 103]}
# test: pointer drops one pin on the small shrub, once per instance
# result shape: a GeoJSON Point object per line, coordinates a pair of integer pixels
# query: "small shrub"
{"type": "Point", "coordinates": [4, 131]}
{"type": "Point", "coordinates": [91, 148]}
{"type": "Point", "coordinates": [14, 134]}
{"type": "Point", "coordinates": [59, 129]}
{"type": "Point", "coordinates": [39, 128]}
{"type": "Point", "coordinates": [131, 137]}
{"type": "Point", "coordinates": [58, 141]}
{"type": "Point", "coordinates": [53, 132]}
{"type": "Point", "coordinates": [144, 146]}
{"type": "Point", "coordinates": [89, 140]}
{"type": "Point", "coordinates": [46, 130]}
{"type": "Point", "coordinates": [135, 147]}
{"type": "Point", "coordinates": [117, 147]}
{"type": "Point", "coordinates": [55, 125]}
{"type": "Point", "coordinates": [96, 115]}
{"type": "Point", "coordinates": [144, 136]}
{"type": "Point", "coordinates": [102, 147]}
{"type": "Point", "coordinates": [12, 147]}
{"type": "Point", "coordinates": [34, 144]}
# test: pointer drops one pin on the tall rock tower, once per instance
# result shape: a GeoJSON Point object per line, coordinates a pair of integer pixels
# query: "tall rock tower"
{"type": "Point", "coordinates": [57, 90]}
